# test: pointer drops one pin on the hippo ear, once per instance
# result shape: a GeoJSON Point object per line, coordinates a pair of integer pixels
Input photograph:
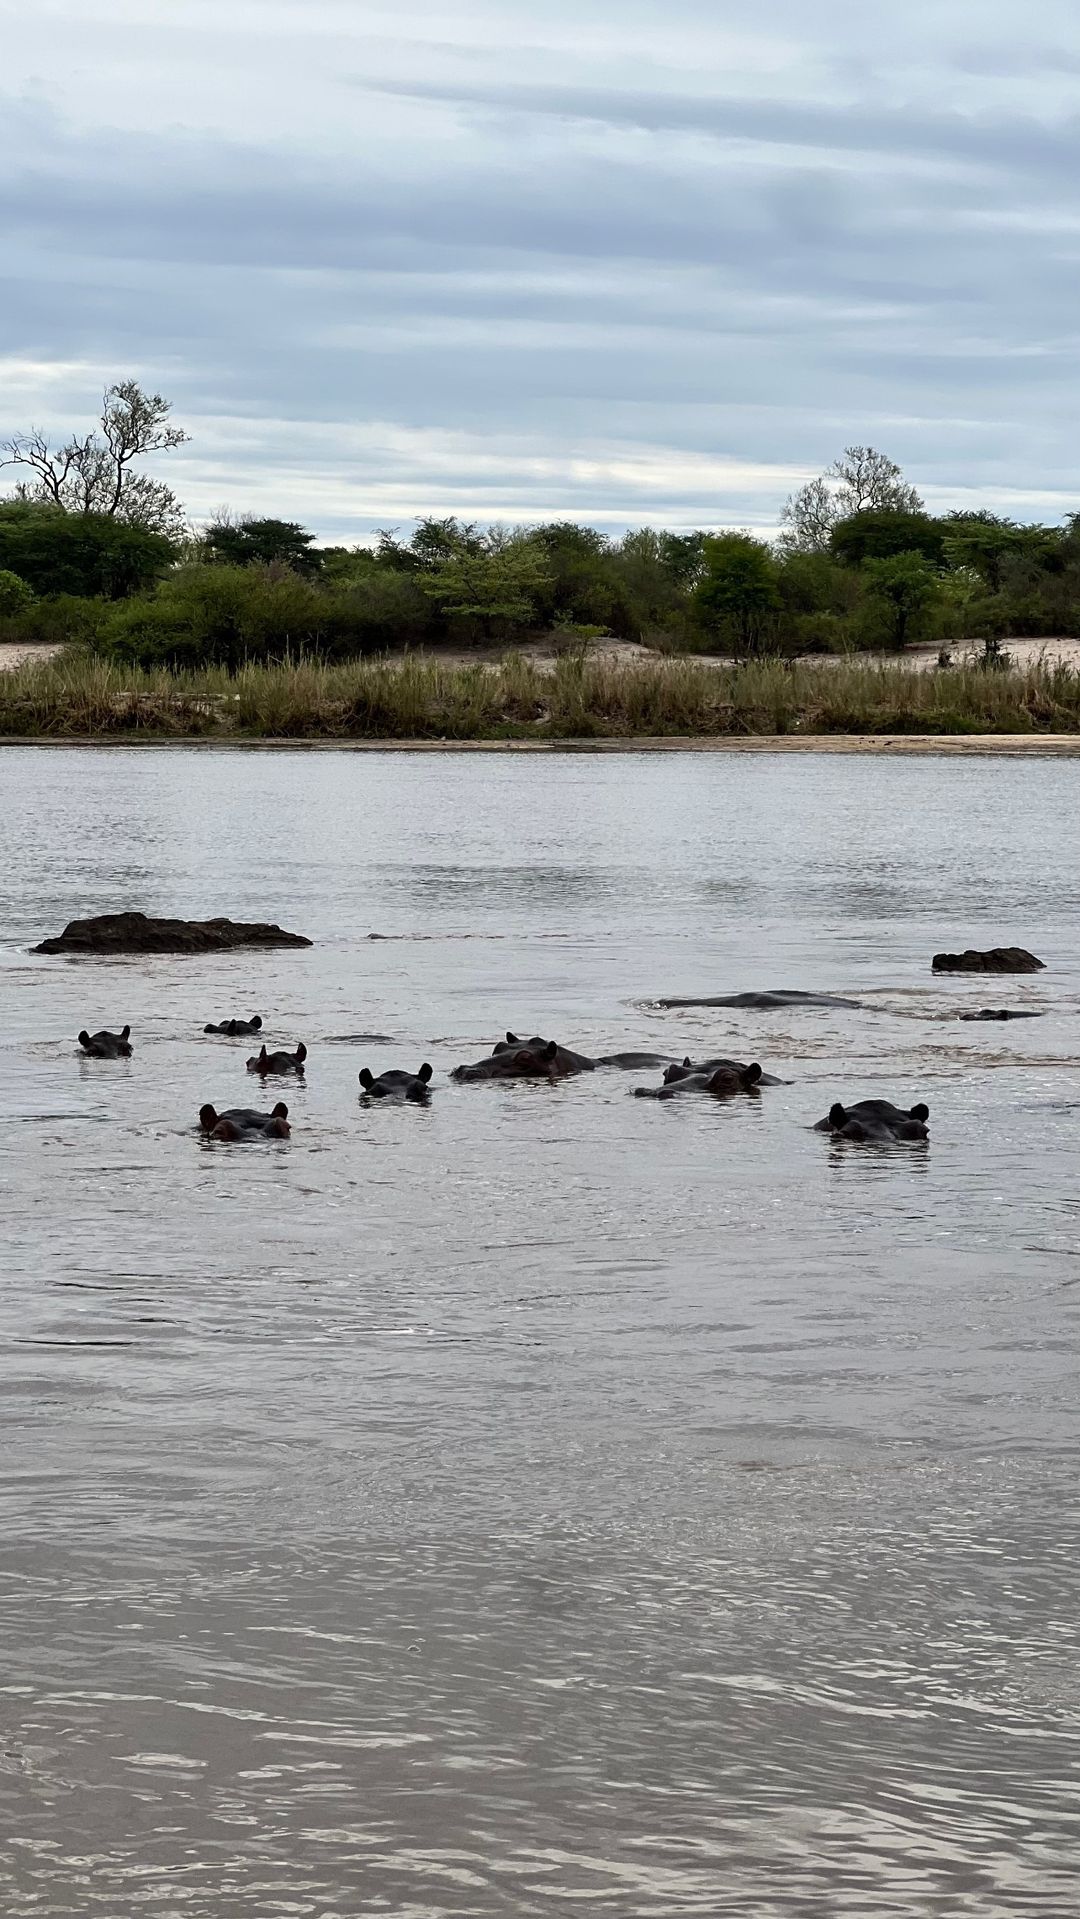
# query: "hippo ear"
{"type": "Point", "coordinates": [367, 1077]}
{"type": "Point", "coordinates": [84, 1038]}
{"type": "Point", "coordinates": [686, 1061]}
{"type": "Point", "coordinates": [301, 1051]}
{"type": "Point", "coordinates": [837, 1115]}
{"type": "Point", "coordinates": [920, 1112]}
{"type": "Point", "coordinates": [263, 1054]}
{"type": "Point", "coordinates": [280, 1111]}
{"type": "Point", "coordinates": [125, 1032]}
{"type": "Point", "coordinates": [255, 1022]}
{"type": "Point", "coordinates": [751, 1074]}
{"type": "Point", "coordinates": [207, 1118]}
{"type": "Point", "coordinates": [512, 1039]}
{"type": "Point", "coordinates": [550, 1050]}
{"type": "Point", "coordinates": [425, 1072]}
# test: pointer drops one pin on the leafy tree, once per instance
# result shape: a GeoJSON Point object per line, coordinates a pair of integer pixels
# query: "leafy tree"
{"type": "Point", "coordinates": [346, 566]}
{"type": "Point", "coordinates": [90, 554]}
{"type": "Point", "coordinates": [876, 534]}
{"type": "Point", "coordinates": [583, 586]}
{"type": "Point", "coordinates": [862, 480]}
{"type": "Point", "coordinates": [96, 474]}
{"type": "Point", "coordinates": [658, 570]}
{"type": "Point", "coordinates": [251, 542]}
{"type": "Point", "coordinates": [907, 587]}
{"type": "Point", "coordinates": [489, 593]}
{"type": "Point", "coordinates": [988, 543]}
{"type": "Point", "coordinates": [737, 596]}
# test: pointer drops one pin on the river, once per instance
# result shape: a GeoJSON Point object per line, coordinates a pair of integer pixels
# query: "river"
{"type": "Point", "coordinates": [545, 1501]}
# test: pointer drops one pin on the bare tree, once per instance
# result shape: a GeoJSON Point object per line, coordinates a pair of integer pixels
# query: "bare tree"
{"type": "Point", "coordinates": [862, 481]}
{"type": "Point", "coordinates": [95, 474]}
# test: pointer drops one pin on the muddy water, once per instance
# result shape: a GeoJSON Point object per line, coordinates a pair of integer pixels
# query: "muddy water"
{"type": "Point", "coordinates": [548, 1501]}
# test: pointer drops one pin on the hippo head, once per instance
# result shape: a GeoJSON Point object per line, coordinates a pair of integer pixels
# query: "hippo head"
{"type": "Point", "coordinates": [508, 1062]}
{"type": "Point", "coordinates": [735, 1079]}
{"type": "Point", "coordinates": [535, 1059]}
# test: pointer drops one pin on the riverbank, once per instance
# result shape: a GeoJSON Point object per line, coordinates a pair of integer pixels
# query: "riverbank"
{"type": "Point", "coordinates": [425, 703]}
{"type": "Point", "coordinates": [911, 745]}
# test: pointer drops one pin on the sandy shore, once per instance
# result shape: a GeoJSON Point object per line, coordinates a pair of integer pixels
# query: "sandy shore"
{"type": "Point", "coordinates": [1008, 745]}
{"type": "Point", "coordinates": [1024, 653]}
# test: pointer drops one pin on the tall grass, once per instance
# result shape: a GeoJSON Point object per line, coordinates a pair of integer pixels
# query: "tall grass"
{"type": "Point", "coordinates": [79, 696]}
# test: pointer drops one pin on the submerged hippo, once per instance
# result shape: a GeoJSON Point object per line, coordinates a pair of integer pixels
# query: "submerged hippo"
{"type": "Point", "coordinates": [1001, 1012]}
{"type": "Point", "coordinates": [237, 1028]}
{"type": "Point", "coordinates": [241, 1123]}
{"type": "Point", "coordinates": [106, 1045]}
{"type": "Point", "coordinates": [728, 1078]}
{"type": "Point", "coordinates": [765, 1002]}
{"type": "Point", "coordinates": [397, 1084]}
{"type": "Point", "coordinates": [571, 1062]}
{"type": "Point", "coordinates": [677, 1071]}
{"type": "Point", "coordinates": [265, 1062]}
{"type": "Point", "coordinates": [877, 1120]}
{"type": "Point", "coordinates": [532, 1060]}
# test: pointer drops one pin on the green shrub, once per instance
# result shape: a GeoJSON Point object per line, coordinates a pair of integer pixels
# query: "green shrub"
{"type": "Point", "coordinates": [88, 554]}
{"type": "Point", "coordinates": [15, 595]}
{"type": "Point", "coordinates": [218, 615]}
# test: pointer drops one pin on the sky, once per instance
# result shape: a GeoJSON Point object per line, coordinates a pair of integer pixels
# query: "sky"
{"type": "Point", "coordinates": [604, 260]}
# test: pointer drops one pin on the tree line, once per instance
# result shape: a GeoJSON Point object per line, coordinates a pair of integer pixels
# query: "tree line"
{"type": "Point", "coordinates": [93, 549]}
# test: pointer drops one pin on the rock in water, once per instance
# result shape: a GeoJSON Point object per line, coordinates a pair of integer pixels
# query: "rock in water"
{"type": "Point", "coordinates": [999, 959]}
{"type": "Point", "coordinates": [137, 933]}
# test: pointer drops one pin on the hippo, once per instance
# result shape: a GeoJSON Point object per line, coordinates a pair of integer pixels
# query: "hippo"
{"type": "Point", "coordinates": [766, 1002]}
{"type": "Point", "coordinates": [520, 1062]}
{"type": "Point", "coordinates": [265, 1062]}
{"type": "Point", "coordinates": [106, 1045]}
{"type": "Point", "coordinates": [675, 1071]}
{"type": "Point", "coordinates": [237, 1028]}
{"type": "Point", "coordinates": [241, 1123]}
{"type": "Point", "coordinates": [876, 1120]}
{"type": "Point", "coordinates": [728, 1078]}
{"type": "Point", "coordinates": [396, 1084]}
{"type": "Point", "coordinates": [997, 959]}
{"type": "Point", "coordinates": [570, 1062]}
{"type": "Point", "coordinates": [1001, 1012]}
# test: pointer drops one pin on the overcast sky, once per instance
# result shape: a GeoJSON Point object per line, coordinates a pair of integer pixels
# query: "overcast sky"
{"type": "Point", "coordinates": [610, 260]}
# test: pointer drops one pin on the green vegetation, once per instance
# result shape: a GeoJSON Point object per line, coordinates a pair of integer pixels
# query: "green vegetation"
{"type": "Point", "coordinates": [860, 566]}
{"type": "Point", "coordinates": [78, 696]}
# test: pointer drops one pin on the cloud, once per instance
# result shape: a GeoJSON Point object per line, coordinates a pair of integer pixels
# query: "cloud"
{"type": "Point", "coordinates": [466, 259]}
